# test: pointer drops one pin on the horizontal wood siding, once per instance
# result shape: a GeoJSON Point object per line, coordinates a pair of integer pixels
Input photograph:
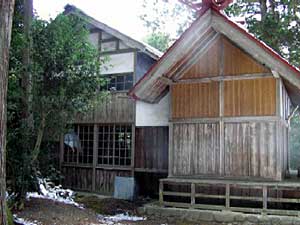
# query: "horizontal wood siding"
{"type": "Point", "coordinates": [195, 100]}
{"type": "Point", "coordinates": [250, 150]}
{"type": "Point", "coordinates": [256, 97]}
{"type": "Point", "coordinates": [196, 149]}
{"type": "Point", "coordinates": [117, 108]}
{"type": "Point", "coordinates": [151, 149]}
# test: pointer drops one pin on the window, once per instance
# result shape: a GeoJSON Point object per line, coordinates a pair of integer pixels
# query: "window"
{"type": "Point", "coordinates": [78, 145]}
{"type": "Point", "coordinates": [114, 146]}
{"type": "Point", "coordinates": [120, 82]}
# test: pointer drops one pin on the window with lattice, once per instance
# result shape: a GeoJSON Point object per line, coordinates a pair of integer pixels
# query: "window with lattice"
{"type": "Point", "coordinates": [120, 82]}
{"type": "Point", "coordinates": [114, 145]}
{"type": "Point", "coordinates": [78, 145]}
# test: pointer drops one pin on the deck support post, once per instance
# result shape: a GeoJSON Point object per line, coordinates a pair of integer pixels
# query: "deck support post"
{"type": "Point", "coordinates": [265, 200]}
{"type": "Point", "coordinates": [161, 194]}
{"type": "Point", "coordinates": [227, 200]}
{"type": "Point", "coordinates": [95, 156]}
{"type": "Point", "coordinates": [193, 192]}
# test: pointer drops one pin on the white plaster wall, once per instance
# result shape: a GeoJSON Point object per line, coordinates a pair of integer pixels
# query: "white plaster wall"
{"type": "Point", "coordinates": [153, 114]}
{"type": "Point", "coordinates": [119, 63]}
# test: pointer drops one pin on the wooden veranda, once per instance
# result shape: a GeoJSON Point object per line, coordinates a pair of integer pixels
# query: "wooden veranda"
{"type": "Point", "coordinates": [259, 197]}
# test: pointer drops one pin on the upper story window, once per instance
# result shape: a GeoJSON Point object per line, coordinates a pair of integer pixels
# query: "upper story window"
{"type": "Point", "coordinates": [120, 82]}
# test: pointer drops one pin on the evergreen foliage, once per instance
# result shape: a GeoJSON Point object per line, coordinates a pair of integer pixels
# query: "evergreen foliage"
{"type": "Point", "coordinates": [65, 81]}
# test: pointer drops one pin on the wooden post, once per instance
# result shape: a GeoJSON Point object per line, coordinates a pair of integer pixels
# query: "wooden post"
{"type": "Point", "coordinates": [193, 193]}
{"type": "Point", "coordinates": [170, 166]}
{"type": "Point", "coordinates": [227, 203]}
{"type": "Point", "coordinates": [95, 156]}
{"type": "Point", "coordinates": [61, 151]}
{"type": "Point", "coordinates": [161, 192]}
{"type": "Point", "coordinates": [265, 199]}
{"type": "Point", "coordinates": [132, 149]}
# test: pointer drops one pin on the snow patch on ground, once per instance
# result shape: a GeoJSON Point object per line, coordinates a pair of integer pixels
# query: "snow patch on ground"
{"type": "Point", "coordinates": [114, 220]}
{"type": "Point", "coordinates": [22, 221]}
{"type": "Point", "coordinates": [54, 193]}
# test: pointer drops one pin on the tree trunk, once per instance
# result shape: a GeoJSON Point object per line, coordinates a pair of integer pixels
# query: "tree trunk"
{"type": "Point", "coordinates": [6, 14]}
{"type": "Point", "coordinates": [26, 75]}
{"type": "Point", "coordinates": [39, 139]}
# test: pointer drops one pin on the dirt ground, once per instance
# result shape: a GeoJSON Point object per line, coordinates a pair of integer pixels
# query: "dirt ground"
{"type": "Point", "coordinates": [48, 212]}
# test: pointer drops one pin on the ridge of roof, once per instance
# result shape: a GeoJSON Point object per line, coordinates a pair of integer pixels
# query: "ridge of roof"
{"type": "Point", "coordinates": [146, 48]}
{"type": "Point", "coordinates": [130, 93]}
{"type": "Point", "coordinates": [259, 43]}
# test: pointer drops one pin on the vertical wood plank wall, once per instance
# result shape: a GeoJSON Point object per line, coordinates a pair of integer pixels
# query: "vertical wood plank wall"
{"type": "Point", "coordinates": [151, 144]}
{"type": "Point", "coordinates": [253, 143]}
{"type": "Point", "coordinates": [196, 149]}
{"type": "Point", "coordinates": [255, 97]}
{"type": "Point", "coordinates": [195, 100]}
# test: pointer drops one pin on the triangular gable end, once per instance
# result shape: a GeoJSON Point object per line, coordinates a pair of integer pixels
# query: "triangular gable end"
{"type": "Point", "coordinates": [198, 42]}
{"type": "Point", "coordinates": [224, 58]}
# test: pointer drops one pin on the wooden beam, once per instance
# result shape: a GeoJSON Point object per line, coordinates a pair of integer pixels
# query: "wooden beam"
{"type": "Point", "coordinates": [166, 80]}
{"type": "Point", "coordinates": [252, 48]}
{"type": "Point", "coordinates": [172, 57]}
{"type": "Point", "coordinates": [275, 74]}
{"type": "Point", "coordinates": [193, 56]}
{"type": "Point", "coordinates": [226, 77]}
{"type": "Point", "coordinates": [227, 119]}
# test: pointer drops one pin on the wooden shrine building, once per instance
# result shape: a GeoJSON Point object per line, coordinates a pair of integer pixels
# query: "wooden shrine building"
{"type": "Point", "coordinates": [108, 136]}
{"type": "Point", "coordinates": [226, 98]}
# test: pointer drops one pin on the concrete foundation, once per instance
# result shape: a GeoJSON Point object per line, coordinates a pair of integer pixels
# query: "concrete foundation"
{"type": "Point", "coordinates": [215, 217]}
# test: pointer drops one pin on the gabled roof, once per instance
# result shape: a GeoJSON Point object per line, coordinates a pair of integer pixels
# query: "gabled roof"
{"type": "Point", "coordinates": [149, 50]}
{"type": "Point", "coordinates": [195, 41]}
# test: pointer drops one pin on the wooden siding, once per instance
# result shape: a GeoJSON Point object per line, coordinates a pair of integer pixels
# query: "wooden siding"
{"type": "Point", "coordinates": [105, 179]}
{"type": "Point", "coordinates": [151, 149]}
{"type": "Point", "coordinates": [250, 97]}
{"type": "Point", "coordinates": [208, 65]}
{"type": "Point", "coordinates": [196, 149]}
{"type": "Point", "coordinates": [250, 150]}
{"type": "Point", "coordinates": [195, 100]}
{"type": "Point", "coordinates": [224, 58]}
{"type": "Point", "coordinates": [237, 62]}
{"type": "Point", "coordinates": [117, 108]}
{"type": "Point", "coordinates": [79, 178]}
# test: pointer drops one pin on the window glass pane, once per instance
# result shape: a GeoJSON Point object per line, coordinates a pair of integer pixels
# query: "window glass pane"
{"type": "Point", "coordinates": [115, 148]}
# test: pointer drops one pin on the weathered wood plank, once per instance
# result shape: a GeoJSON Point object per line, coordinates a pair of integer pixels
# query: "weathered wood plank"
{"type": "Point", "coordinates": [197, 150]}
{"type": "Point", "coordinates": [117, 108]}
{"type": "Point", "coordinates": [151, 148]}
